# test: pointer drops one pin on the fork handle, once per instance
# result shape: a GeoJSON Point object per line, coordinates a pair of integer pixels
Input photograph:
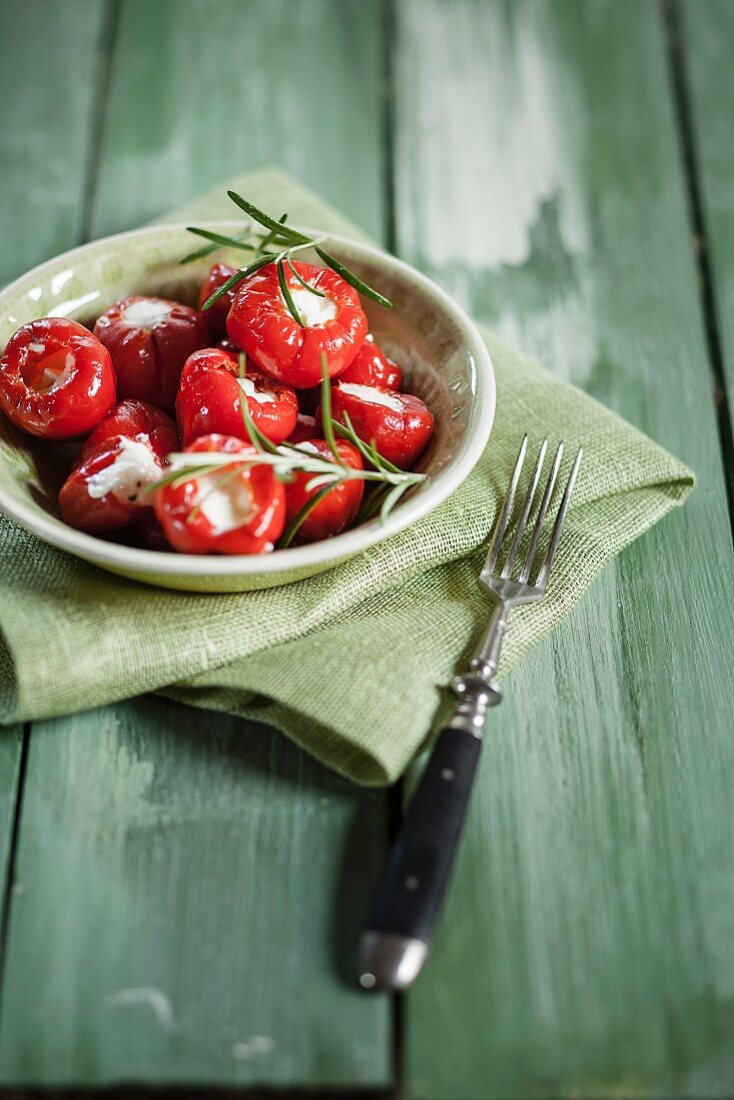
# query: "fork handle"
{"type": "Point", "coordinates": [411, 889]}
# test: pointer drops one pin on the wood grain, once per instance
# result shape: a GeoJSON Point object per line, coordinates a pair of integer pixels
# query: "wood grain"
{"type": "Point", "coordinates": [707, 33]}
{"type": "Point", "coordinates": [192, 882]}
{"type": "Point", "coordinates": [202, 91]}
{"type": "Point", "coordinates": [45, 150]}
{"type": "Point", "coordinates": [586, 948]}
{"type": "Point", "coordinates": [189, 891]}
{"type": "Point", "coordinates": [10, 753]}
{"type": "Point", "coordinates": [49, 55]}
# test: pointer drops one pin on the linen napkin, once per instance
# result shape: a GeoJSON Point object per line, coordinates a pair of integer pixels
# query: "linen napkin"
{"type": "Point", "coordinates": [348, 663]}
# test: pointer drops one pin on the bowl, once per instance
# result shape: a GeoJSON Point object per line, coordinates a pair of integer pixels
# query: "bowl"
{"type": "Point", "coordinates": [444, 359]}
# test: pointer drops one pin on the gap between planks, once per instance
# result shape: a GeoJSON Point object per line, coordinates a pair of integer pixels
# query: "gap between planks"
{"type": "Point", "coordinates": [7, 891]}
{"type": "Point", "coordinates": [681, 99]}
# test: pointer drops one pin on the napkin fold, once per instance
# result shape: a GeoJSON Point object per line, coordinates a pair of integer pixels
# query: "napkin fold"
{"type": "Point", "coordinates": [349, 663]}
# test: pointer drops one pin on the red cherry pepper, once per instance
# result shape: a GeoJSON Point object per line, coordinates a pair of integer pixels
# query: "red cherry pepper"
{"type": "Point", "coordinates": [149, 340]}
{"type": "Point", "coordinates": [259, 322]}
{"type": "Point", "coordinates": [337, 509]}
{"type": "Point", "coordinates": [56, 379]}
{"type": "Point", "coordinates": [399, 424]}
{"type": "Point", "coordinates": [209, 399]}
{"type": "Point", "coordinates": [216, 315]}
{"type": "Point", "coordinates": [232, 510]}
{"type": "Point", "coordinates": [106, 490]}
{"type": "Point", "coordinates": [371, 367]}
{"type": "Point", "coordinates": [304, 430]}
{"type": "Point", "coordinates": [137, 420]}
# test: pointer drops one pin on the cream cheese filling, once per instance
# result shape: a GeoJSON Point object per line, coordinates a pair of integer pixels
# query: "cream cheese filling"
{"type": "Point", "coordinates": [132, 471]}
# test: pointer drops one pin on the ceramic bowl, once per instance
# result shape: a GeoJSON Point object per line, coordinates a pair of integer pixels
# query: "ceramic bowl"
{"type": "Point", "coordinates": [444, 359]}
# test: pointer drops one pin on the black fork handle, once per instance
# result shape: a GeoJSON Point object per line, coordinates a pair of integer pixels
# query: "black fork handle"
{"type": "Point", "coordinates": [411, 890]}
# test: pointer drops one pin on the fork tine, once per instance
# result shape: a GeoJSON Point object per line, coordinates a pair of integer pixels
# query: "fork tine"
{"type": "Point", "coordinates": [526, 509]}
{"type": "Point", "coordinates": [545, 568]}
{"type": "Point", "coordinates": [542, 511]}
{"type": "Point", "coordinates": [501, 525]}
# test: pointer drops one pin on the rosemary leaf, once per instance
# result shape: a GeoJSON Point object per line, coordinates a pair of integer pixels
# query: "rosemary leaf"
{"type": "Point", "coordinates": [297, 522]}
{"type": "Point", "coordinates": [237, 278]}
{"type": "Point", "coordinates": [391, 500]}
{"type": "Point", "coordinates": [270, 237]}
{"type": "Point", "coordinates": [327, 421]}
{"type": "Point", "coordinates": [353, 280]}
{"type": "Point", "coordinates": [221, 239]}
{"type": "Point", "coordinates": [264, 219]}
{"type": "Point", "coordinates": [285, 291]}
{"type": "Point", "coordinates": [178, 475]}
{"type": "Point", "coordinates": [347, 432]}
{"type": "Point", "coordinates": [260, 442]}
{"type": "Point", "coordinates": [223, 479]}
{"type": "Point", "coordinates": [371, 504]}
{"type": "Point", "coordinates": [318, 293]}
{"type": "Point", "coordinates": [323, 479]}
{"type": "Point", "coordinates": [380, 462]}
{"type": "Point", "coordinates": [207, 249]}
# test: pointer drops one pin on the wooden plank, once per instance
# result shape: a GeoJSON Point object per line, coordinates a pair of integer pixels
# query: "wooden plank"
{"type": "Point", "coordinates": [707, 37]}
{"type": "Point", "coordinates": [203, 91]}
{"type": "Point", "coordinates": [189, 895]}
{"type": "Point", "coordinates": [45, 149]}
{"type": "Point", "coordinates": [191, 881]}
{"type": "Point", "coordinates": [586, 947]}
{"type": "Point", "coordinates": [11, 740]}
{"type": "Point", "coordinates": [46, 134]}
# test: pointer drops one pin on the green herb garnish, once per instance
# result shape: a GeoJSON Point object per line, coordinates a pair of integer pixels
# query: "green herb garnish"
{"type": "Point", "coordinates": [290, 241]}
{"type": "Point", "coordinates": [286, 292]}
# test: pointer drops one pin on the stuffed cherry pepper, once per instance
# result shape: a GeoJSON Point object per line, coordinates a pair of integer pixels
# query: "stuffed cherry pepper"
{"type": "Point", "coordinates": [399, 424]}
{"type": "Point", "coordinates": [235, 509]}
{"type": "Point", "coordinates": [216, 315]}
{"type": "Point", "coordinates": [137, 420]}
{"type": "Point", "coordinates": [330, 320]}
{"type": "Point", "coordinates": [109, 488]}
{"type": "Point", "coordinates": [56, 379]}
{"type": "Point", "coordinates": [149, 340]}
{"type": "Point", "coordinates": [210, 394]}
{"type": "Point", "coordinates": [338, 507]}
{"type": "Point", "coordinates": [371, 367]}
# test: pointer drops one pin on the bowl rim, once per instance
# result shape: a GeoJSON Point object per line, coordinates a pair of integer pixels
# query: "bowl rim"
{"type": "Point", "coordinates": [296, 558]}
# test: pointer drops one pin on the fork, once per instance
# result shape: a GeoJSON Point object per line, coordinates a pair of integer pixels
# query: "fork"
{"type": "Point", "coordinates": [409, 895]}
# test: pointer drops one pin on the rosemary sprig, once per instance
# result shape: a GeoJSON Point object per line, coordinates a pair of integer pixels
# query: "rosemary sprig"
{"type": "Point", "coordinates": [290, 240]}
{"type": "Point", "coordinates": [244, 272]}
{"type": "Point", "coordinates": [287, 459]}
{"type": "Point", "coordinates": [249, 240]}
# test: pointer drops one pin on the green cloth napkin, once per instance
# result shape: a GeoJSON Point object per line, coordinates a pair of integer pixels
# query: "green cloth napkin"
{"type": "Point", "coordinates": [349, 664]}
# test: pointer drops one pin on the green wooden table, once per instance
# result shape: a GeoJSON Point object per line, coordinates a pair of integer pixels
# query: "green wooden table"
{"type": "Point", "coordinates": [182, 892]}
